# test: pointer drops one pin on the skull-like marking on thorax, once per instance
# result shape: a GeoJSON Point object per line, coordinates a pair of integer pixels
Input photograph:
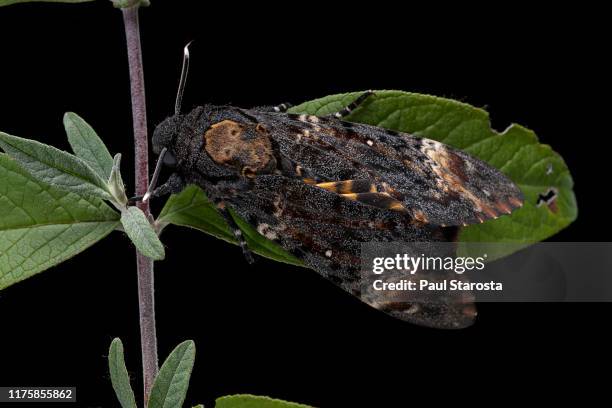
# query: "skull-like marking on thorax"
{"type": "Point", "coordinates": [246, 147]}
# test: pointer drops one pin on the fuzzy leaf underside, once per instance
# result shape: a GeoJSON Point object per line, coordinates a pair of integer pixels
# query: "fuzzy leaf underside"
{"type": "Point", "coordinates": [119, 375]}
{"type": "Point", "coordinates": [41, 225]}
{"type": "Point", "coordinates": [54, 166]}
{"type": "Point", "coordinates": [115, 183]}
{"type": "Point", "coordinates": [142, 234]}
{"type": "Point", "coordinates": [254, 401]}
{"type": "Point", "coordinates": [87, 145]}
{"type": "Point", "coordinates": [170, 386]}
{"type": "Point", "coordinates": [534, 167]}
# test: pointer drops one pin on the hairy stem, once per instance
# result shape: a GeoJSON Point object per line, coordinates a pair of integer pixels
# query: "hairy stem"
{"type": "Point", "coordinates": [146, 299]}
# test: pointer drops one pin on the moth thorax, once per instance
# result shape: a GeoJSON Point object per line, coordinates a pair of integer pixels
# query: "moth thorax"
{"type": "Point", "coordinates": [246, 147]}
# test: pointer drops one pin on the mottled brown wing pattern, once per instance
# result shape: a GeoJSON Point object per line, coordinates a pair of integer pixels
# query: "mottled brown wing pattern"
{"type": "Point", "coordinates": [432, 182]}
{"type": "Point", "coordinates": [326, 232]}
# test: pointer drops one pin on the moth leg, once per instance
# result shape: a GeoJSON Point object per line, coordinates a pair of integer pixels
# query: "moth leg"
{"type": "Point", "coordinates": [173, 185]}
{"type": "Point", "coordinates": [352, 106]}
{"type": "Point", "coordinates": [248, 255]}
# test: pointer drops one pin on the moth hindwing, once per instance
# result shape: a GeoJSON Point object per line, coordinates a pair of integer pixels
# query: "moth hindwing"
{"type": "Point", "coordinates": [321, 186]}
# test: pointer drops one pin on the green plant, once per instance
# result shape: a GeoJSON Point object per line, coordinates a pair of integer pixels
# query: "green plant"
{"type": "Point", "coordinates": [88, 196]}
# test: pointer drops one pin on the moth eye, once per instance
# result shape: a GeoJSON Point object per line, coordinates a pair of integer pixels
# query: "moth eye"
{"type": "Point", "coordinates": [169, 159]}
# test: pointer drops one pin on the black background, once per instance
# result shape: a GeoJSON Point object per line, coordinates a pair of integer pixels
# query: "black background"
{"type": "Point", "coordinates": [273, 329]}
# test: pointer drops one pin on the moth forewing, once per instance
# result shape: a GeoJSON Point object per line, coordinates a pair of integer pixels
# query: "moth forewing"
{"type": "Point", "coordinates": [320, 187]}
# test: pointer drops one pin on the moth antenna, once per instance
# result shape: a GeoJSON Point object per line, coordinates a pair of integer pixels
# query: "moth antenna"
{"type": "Point", "coordinates": [153, 183]}
{"type": "Point", "coordinates": [181, 87]}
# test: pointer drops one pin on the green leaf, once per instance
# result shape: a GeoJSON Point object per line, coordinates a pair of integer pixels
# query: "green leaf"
{"type": "Point", "coordinates": [191, 208]}
{"type": "Point", "coordinates": [41, 225]}
{"type": "Point", "coordinates": [142, 234]}
{"type": "Point", "coordinates": [87, 145]}
{"type": "Point", "coordinates": [115, 183]}
{"type": "Point", "coordinates": [119, 375]}
{"type": "Point", "coordinates": [170, 386]}
{"type": "Point", "coordinates": [9, 2]}
{"type": "Point", "coordinates": [254, 401]}
{"type": "Point", "coordinates": [534, 167]}
{"type": "Point", "coordinates": [54, 166]}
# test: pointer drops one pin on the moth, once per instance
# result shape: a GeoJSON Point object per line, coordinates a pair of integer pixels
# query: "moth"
{"type": "Point", "coordinates": [320, 186]}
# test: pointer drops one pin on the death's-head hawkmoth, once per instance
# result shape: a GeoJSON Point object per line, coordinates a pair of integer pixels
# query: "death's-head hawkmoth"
{"type": "Point", "coordinates": [320, 186]}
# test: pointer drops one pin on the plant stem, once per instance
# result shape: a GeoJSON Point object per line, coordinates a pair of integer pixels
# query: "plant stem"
{"type": "Point", "coordinates": [146, 299]}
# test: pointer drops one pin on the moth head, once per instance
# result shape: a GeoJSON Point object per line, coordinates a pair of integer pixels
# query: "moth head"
{"type": "Point", "coordinates": [165, 136]}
